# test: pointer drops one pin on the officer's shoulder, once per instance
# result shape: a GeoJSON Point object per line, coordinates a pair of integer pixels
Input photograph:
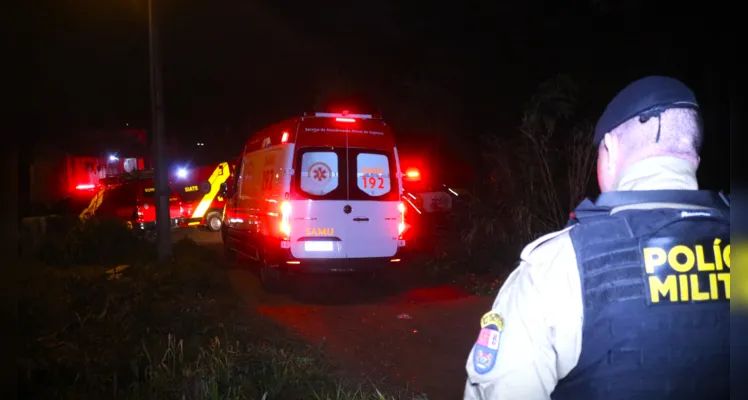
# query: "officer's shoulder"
{"type": "Point", "coordinates": [550, 242]}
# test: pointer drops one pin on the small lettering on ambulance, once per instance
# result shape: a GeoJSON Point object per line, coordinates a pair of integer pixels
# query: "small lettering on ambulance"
{"type": "Point", "coordinates": [372, 171]}
{"type": "Point", "coordinates": [681, 273]}
{"type": "Point", "coordinates": [320, 231]}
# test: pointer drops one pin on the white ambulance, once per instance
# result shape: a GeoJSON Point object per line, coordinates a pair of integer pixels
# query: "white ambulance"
{"type": "Point", "coordinates": [318, 193]}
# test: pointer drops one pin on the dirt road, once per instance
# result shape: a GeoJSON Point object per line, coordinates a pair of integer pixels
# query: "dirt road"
{"type": "Point", "coordinates": [416, 334]}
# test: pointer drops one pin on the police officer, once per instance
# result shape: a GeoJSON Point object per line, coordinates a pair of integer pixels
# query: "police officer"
{"type": "Point", "coordinates": [631, 300]}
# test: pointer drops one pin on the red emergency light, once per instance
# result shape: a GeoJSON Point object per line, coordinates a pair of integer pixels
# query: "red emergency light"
{"type": "Point", "coordinates": [85, 186]}
{"type": "Point", "coordinates": [284, 138]}
{"type": "Point", "coordinates": [340, 117]}
{"type": "Point", "coordinates": [413, 174]}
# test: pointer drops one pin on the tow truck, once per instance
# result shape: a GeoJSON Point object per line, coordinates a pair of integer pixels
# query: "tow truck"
{"type": "Point", "coordinates": [130, 198]}
{"type": "Point", "coordinates": [202, 191]}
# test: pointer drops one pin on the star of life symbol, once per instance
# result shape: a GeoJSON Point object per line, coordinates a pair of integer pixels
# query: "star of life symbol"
{"type": "Point", "coordinates": [320, 172]}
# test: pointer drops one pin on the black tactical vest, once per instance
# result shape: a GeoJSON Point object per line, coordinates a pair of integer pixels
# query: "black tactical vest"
{"type": "Point", "coordinates": [656, 289]}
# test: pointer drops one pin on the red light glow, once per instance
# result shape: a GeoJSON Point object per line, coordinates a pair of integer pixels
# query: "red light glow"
{"type": "Point", "coordinates": [413, 173]}
{"type": "Point", "coordinates": [401, 226]}
{"type": "Point", "coordinates": [345, 119]}
{"type": "Point", "coordinates": [85, 186]}
{"type": "Point", "coordinates": [285, 223]}
{"type": "Point", "coordinates": [315, 324]}
{"type": "Point", "coordinates": [284, 138]}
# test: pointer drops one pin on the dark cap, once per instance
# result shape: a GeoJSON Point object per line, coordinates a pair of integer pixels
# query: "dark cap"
{"type": "Point", "coordinates": [646, 97]}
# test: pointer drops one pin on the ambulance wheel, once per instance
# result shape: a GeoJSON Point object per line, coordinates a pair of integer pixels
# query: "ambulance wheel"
{"type": "Point", "coordinates": [213, 221]}
{"type": "Point", "coordinates": [272, 278]}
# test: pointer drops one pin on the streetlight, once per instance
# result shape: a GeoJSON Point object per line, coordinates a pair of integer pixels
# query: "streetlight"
{"type": "Point", "coordinates": [161, 179]}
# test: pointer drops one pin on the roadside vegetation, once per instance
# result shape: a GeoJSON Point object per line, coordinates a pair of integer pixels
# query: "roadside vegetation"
{"type": "Point", "coordinates": [99, 319]}
{"type": "Point", "coordinates": [146, 331]}
{"type": "Point", "coordinates": [528, 183]}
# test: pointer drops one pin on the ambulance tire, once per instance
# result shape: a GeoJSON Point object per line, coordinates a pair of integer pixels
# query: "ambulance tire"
{"type": "Point", "coordinates": [213, 221]}
{"type": "Point", "coordinates": [272, 278]}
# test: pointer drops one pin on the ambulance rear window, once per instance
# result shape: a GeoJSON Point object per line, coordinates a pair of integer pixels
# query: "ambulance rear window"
{"type": "Point", "coordinates": [319, 173]}
{"type": "Point", "coordinates": [374, 180]}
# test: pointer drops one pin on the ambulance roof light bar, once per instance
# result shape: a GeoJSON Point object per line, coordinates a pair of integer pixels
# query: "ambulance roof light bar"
{"type": "Point", "coordinates": [344, 114]}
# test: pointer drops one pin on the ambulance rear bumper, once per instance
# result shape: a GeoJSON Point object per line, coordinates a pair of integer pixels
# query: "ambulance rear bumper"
{"type": "Point", "coordinates": [289, 263]}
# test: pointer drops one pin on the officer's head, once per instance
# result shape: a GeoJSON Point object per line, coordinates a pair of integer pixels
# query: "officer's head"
{"type": "Point", "coordinates": [653, 116]}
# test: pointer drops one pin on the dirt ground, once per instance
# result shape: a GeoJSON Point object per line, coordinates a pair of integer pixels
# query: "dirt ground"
{"type": "Point", "coordinates": [415, 332]}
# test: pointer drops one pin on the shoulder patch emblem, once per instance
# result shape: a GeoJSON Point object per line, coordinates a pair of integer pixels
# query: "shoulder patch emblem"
{"type": "Point", "coordinates": [492, 320]}
{"type": "Point", "coordinates": [486, 347]}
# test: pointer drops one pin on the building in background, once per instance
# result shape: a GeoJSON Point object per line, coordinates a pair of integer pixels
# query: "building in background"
{"type": "Point", "coordinates": [67, 169]}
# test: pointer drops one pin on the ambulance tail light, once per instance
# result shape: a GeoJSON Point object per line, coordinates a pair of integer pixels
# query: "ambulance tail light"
{"type": "Point", "coordinates": [284, 138]}
{"type": "Point", "coordinates": [285, 223]}
{"type": "Point", "coordinates": [345, 119]}
{"type": "Point", "coordinates": [401, 224]}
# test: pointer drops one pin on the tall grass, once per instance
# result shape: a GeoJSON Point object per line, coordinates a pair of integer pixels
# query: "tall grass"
{"type": "Point", "coordinates": [171, 331]}
{"type": "Point", "coordinates": [531, 180]}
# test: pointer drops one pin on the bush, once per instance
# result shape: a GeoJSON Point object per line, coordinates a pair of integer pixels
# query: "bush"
{"type": "Point", "coordinates": [532, 181]}
{"type": "Point", "coordinates": [66, 241]}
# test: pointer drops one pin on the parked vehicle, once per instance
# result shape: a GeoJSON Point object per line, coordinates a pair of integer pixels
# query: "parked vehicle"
{"type": "Point", "coordinates": [202, 191]}
{"type": "Point", "coordinates": [130, 198]}
{"type": "Point", "coordinates": [318, 193]}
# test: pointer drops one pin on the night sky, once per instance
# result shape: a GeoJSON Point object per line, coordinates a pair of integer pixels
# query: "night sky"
{"type": "Point", "coordinates": [438, 73]}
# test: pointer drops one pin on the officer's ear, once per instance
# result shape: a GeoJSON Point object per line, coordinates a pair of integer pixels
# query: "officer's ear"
{"type": "Point", "coordinates": [613, 148]}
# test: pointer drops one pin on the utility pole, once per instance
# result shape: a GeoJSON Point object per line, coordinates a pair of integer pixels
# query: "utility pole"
{"type": "Point", "coordinates": [161, 179]}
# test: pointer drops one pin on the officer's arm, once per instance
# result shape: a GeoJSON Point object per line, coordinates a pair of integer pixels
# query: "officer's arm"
{"type": "Point", "coordinates": [539, 337]}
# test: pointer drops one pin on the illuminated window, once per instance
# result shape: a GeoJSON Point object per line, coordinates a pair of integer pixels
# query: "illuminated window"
{"type": "Point", "coordinates": [319, 172]}
{"type": "Point", "coordinates": [373, 174]}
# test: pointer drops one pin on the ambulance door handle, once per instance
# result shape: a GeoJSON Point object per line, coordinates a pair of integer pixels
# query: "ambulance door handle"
{"type": "Point", "coordinates": [359, 219]}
